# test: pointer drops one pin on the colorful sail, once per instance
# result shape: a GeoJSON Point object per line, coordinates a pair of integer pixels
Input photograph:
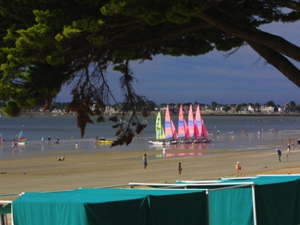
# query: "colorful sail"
{"type": "Point", "coordinates": [198, 123]}
{"type": "Point", "coordinates": [181, 132]}
{"type": "Point", "coordinates": [160, 134]}
{"type": "Point", "coordinates": [1, 137]}
{"type": "Point", "coordinates": [174, 133]}
{"type": "Point", "coordinates": [168, 126]}
{"type": "Point", "coordinates": [196, 130]}
{"type": "Point", "coordinates": [22, 137]}
{"type": "Point", "coordinates": [186, 130]}
{"type": "Point", "coordinates": [191, 122]}
{"type": "Point", "coordinates": [205, 133]}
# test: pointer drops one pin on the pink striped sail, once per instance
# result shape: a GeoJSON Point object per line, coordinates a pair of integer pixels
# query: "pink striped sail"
{"type": "Point", "coordinates": [196, 130]}
{"type": "Point", "coordinates": [168, 126]}
{"type": "Point", "coordinates": [181, 131]}
{"type": "Point", "coordinates": [204, 131]}
{"type": "Point", "coordinates": [186, 130]}
{"type": "Point", "coordinates": [174, 133]}
{"type": "Point", "coordinates": [198, 123]}
{"type": "Point", "coordinates": [191, 122]}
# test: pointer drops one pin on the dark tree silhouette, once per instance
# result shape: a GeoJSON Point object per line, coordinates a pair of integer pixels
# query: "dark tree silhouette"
{"type": "Point", "coordinates": [47, 44]}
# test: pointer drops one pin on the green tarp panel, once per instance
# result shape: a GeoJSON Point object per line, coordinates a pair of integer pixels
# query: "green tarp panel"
{"type": "Point", "coordinates": [190, 208]}
{"type": "Point", "coordinates": [110, 206]}
{"type": "Point", "coordinates": [278, 203]}
{"type": "Point", "coordinates": [6, 209]}
{"type": "Point", "coordinates": [158, 207]}
{"type": "Point", "coordinates": [231, 206]}
{"type": "Point", "coordinates": [120, 212]}
{"type": "Point", "coordinates": [277, 199]}
{"type": "Point", "coordinates": [62, 208]}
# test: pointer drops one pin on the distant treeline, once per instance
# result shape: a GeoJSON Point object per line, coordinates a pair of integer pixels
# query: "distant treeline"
{"type": "Point", "coordinates": [214, 106]}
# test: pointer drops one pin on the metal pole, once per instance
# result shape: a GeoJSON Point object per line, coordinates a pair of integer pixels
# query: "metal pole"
{"type": "Point", "coordinates": [207, 204]}
{"type": "Point", "coordinates": [254, 204]}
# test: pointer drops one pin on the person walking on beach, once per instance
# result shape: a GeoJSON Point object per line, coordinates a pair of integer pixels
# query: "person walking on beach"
{"type": "Point", "coordinates": [145, 161]}
{"type": "Point", "coordinates": [14, 145]}
{"type": "Point", "coordinates": [42, 139]}
{"type": "Point", "coordinates": [238, 168]}
{"type": "Point", "coordinates": [96, 141]}
{"type": "Point", "coordinates": [179, 168]}
{"type": "Point", "coordinates": [57, 139]}
{"type": "Point", "coordinates": [288, 148]}
{"type": "Point", "coordinates": [279, 154]}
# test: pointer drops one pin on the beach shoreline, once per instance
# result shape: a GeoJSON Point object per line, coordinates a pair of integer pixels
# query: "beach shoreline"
{"type": "Point", "coordinates": [43, 172]}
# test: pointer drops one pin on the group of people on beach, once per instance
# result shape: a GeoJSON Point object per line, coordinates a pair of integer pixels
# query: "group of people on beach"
{"type": "Point", "coordinates": [238, 166]}
{"type": "Point", "coordinates": [145, 163]}
{"type": "Point", "coordinates": [50, 140]}
{"type": "Point", "coordinates": [279, 153]}
{"type": "Point", "coordinates": [290, 146]}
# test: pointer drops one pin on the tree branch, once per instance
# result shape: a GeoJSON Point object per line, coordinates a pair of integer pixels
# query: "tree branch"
{"type": "Point", "coordinates": [288, 4]}
{"type": "Point", "coordinates": [272, 41]}
{"type": "Point", "coordinates": [278, 61]}
{"type": "Point", "coordinates": [166, 35]}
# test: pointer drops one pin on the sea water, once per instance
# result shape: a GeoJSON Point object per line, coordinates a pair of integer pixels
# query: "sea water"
{"type": "Point", "coordinates": [227, 132]}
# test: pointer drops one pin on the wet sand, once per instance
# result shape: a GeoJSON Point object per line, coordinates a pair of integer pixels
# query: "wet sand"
{"type": "Point", "coordinates": [41, 172]}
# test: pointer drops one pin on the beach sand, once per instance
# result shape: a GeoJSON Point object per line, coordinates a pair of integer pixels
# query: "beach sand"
{"type": "Point", "coordinates": [43, 172]}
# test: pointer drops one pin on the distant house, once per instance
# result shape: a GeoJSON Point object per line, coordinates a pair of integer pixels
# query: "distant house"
{"type": "Point", "coordinates": [109, 109]}
{"type": "Point", "coordinates": [268, 109]}
{"type": "Point", "coordinates": [250, 108]}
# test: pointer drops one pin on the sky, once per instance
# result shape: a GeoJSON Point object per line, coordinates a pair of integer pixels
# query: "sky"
{"type": "Point", "coordinates": [242, 77]}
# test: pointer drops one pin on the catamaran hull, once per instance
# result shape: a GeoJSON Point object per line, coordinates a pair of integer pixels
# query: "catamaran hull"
{"type": "Point", "coordinates": [161, 143]}
{"type": "Point", "coordinates": [187, 141]}
{"type": "Point", "coordinates": [195, 141]}
{"type": "Point", "coordinates": [158, 143]}
{"type": "Point", "coordinates": [202, 140]}
{"type": "Point", "coordinates": [21, 143]}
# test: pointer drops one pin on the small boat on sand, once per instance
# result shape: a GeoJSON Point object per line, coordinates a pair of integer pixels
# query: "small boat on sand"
{"type": "Point", "coordinates": [22, 139]}
{"type": "Point", "coordinates": [104, 141]}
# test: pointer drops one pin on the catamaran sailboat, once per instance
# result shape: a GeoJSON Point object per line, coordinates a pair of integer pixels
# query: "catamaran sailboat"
{"type": "Point", "coordinates": [195, 129]}
{"type": "Point", "coordinates": [21, 138]}
{"type": "Point", "coordinates": [159, 132]}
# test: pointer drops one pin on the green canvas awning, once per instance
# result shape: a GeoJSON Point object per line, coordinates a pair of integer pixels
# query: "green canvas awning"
{"type": "Point", "coordinates": [262, 200]}
{"type": "Point", "coordinates": [6, 209]}
{"type": "Point", "coordinates": [112, 206]}
{"type": "Point", "coordinates": [276, 200]}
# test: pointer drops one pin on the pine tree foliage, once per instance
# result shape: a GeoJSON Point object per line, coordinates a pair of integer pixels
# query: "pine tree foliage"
{"type": "Point", "coordinates": [47, 44]}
